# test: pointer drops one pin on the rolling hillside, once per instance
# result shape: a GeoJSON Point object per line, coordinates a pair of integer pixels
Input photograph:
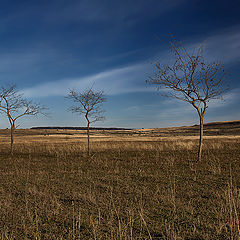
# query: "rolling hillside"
{"type": "Point", "coordinates": [210, 129]}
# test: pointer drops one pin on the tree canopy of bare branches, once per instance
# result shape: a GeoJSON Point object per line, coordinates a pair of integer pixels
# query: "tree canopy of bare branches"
{"type": "Point", "coordinates": [15, 106]}
{"type": "Point", "coordinates": [89, 103]}
{"type": "Point", "coordinates": [192, 79]}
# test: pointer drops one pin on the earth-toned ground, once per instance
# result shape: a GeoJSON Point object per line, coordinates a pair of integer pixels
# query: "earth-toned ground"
{"type": "Point", "coordinates": [136, 184]}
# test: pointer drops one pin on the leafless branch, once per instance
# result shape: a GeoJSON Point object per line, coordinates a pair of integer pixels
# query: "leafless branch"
{"type": "Point", "coordinates": [190, 78]}
{"type": "Point", "coordinates": [89, 103]}
{"type": "Point", "coordinates": [15, 106]}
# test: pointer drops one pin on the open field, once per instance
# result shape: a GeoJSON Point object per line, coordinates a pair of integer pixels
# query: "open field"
{"type": "Point", "coordinates": [137, 184]}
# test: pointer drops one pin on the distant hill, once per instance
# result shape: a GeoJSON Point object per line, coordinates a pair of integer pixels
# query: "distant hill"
{"type": "Point", "coordinates": [210, 129]}
{"type": "Point", "coordinates": [223, 124]}
{"type": "Point", "coordinates": [81, 128]}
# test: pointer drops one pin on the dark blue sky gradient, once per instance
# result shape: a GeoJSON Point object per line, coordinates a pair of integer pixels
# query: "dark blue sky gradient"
{"type": "Point", "coordinates": [47, 47]}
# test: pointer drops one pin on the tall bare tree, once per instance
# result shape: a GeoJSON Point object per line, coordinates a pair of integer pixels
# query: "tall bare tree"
{"type": "Point", "coordinates": [89, 102]}
{"type": "Point", "coordinates": [192, 79]}
{"type": "Point", "coordinates": [15, 106]}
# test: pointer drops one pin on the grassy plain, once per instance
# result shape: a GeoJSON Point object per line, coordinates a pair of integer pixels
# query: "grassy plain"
{"type": "Point", "coordinates": [137, 184]}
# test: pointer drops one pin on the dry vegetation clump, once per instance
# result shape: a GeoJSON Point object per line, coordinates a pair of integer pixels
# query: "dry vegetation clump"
{"type": "Point", "coordinates": [125, 190]}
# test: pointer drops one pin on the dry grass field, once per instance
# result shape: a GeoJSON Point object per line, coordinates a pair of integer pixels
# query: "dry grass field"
{"type": "Point", "coordinates": [137, 184]}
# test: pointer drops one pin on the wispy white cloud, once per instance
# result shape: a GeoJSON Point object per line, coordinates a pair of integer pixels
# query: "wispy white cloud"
{"type": "Point", "coordinates": [172, 112]}
{"type": "Point", "coordinates": [127, 11]}
{"type": "Point", "coordinates": [115, 81]}
{"type": "Point", "coordinates": [227, 99]}
{"type": "Point", "coordinates": [17, 62]}
{"type": "Point", "coordinates": [225, 45]}
{"type": "Point", "coordinates": [132, 78]}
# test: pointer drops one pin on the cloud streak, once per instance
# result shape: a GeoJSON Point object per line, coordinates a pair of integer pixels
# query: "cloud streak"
{"type": "Point", "coordinates": [132, 78]}
{"type": "Point", "coordinates": [225, 45]}
{"type": "Point", "coordinates": [115, 81]}
{"type": "Point", "coordinates": [117, 11]}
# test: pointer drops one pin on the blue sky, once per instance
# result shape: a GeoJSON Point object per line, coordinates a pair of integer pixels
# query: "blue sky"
{"type": "Point", "coordinates": [47, 47]}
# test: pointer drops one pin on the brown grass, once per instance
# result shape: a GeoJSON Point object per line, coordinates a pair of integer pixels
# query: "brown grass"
{"type": "Point", "coordinates": [132, 187]}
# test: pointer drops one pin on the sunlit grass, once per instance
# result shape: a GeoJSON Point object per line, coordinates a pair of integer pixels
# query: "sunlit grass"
{"type": "Point", "coordinates": [131, 187]}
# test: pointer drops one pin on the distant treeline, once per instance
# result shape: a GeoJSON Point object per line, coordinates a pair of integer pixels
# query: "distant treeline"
{"type": "Point", "coordinates": [81, 128]}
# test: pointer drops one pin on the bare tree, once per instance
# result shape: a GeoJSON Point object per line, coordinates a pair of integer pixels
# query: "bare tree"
{"type": "Point", "coordinates": [90, 104]}
{"type": "Point", "coordinates": [192, 79]}
{"type": "Point", "coordinates": [15, 106]}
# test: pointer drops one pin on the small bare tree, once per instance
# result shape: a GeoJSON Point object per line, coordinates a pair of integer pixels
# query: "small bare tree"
{"type": "Point", "coordinates": [90, 104]}
{"type": "Point", "coordinates": [191, 79]}
{"type": "Point", "coordinates": [15, 106]}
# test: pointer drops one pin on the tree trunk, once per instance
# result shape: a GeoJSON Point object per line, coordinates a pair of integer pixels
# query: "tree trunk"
{"type": "Point", "coordinates": [200, 139]}
{"type": "Point", "coordinates": [12, 138]}
{"type": "Point", "coordinates": [88, 138]}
